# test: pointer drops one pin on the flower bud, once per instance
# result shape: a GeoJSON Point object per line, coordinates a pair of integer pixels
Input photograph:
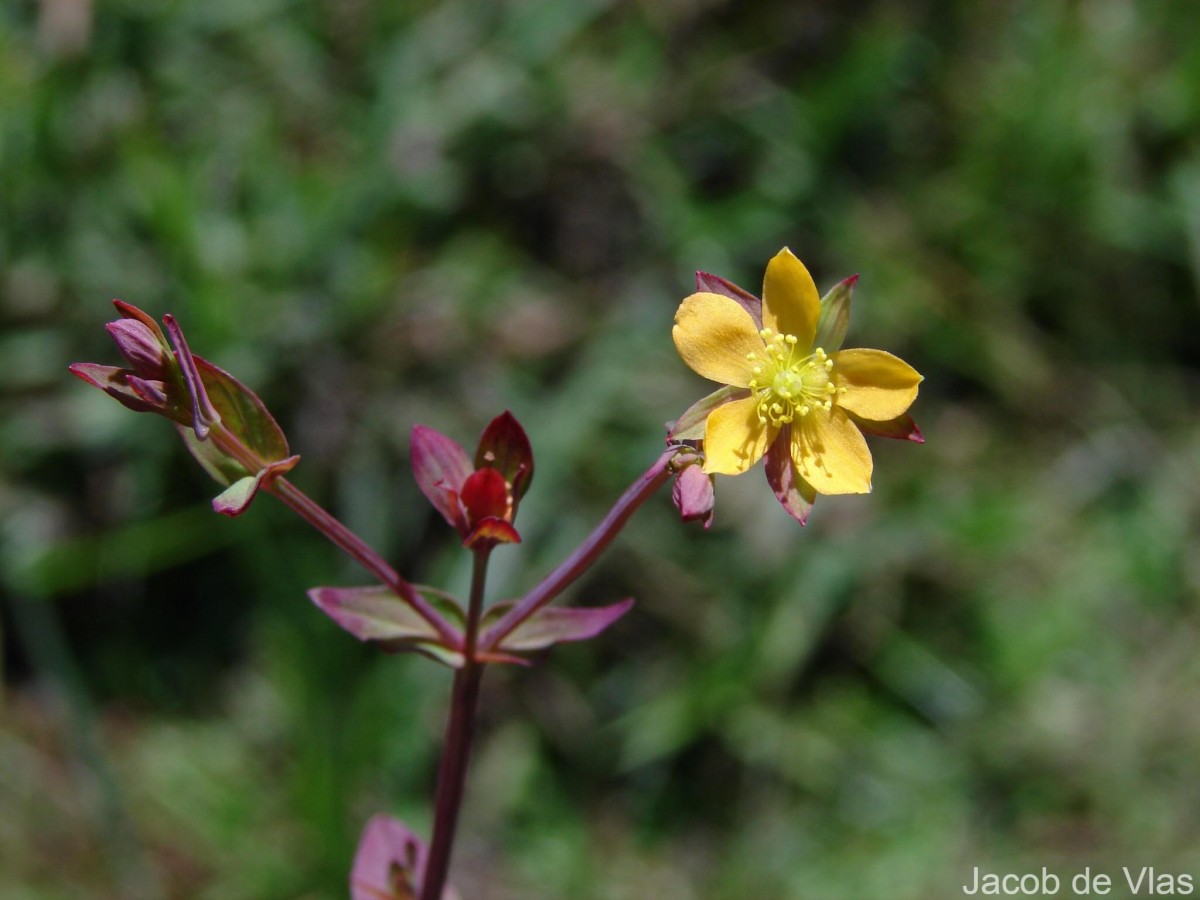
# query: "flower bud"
{"type": "Point", "coordinates": [693, 495]}
{"type": "Point", "coordinates": [141, 349]}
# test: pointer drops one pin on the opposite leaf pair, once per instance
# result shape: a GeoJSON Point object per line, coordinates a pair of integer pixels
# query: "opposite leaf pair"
{"type": "Point", "coordinates": [479, 500]}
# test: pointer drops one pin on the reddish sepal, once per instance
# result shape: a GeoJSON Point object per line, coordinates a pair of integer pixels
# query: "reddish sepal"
{"type": "Point", "coordinates": [505, 447]}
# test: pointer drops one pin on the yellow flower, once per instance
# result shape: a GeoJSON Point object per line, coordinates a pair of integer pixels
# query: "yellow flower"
{"type": "Point", "coordinates": [791, 394]}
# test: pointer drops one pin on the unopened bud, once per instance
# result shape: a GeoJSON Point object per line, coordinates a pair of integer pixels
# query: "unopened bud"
{"type": "Point", "coordinates": [141, 349]}
{"type": "Point", "coordinates": [693, 495]}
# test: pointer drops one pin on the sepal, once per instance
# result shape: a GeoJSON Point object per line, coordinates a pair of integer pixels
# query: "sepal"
{"type": "Point", "coordinates": [715, 284]}
{"type": "Point", "coordinates": [794, 494]}
{"type": "Point", "coordinates": [505, 447]}
{"type": "Point", "coordinates": [490, 532]}
{"type": "Point", "coordinates": [690, 426]}
{"type": "Point", "coordinates": [835, 315]}
{"type": "Point", "coordinates": [901, 428]}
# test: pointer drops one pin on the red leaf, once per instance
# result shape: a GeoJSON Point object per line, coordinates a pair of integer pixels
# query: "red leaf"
{"type": "Point", "coordinates": [440, 466]}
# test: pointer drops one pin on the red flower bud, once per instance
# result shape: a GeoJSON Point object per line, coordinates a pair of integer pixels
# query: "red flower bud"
{"type": "Point", "coordinates": [141, 349]}
{"type": "Point", "coordinates": [693, 495]}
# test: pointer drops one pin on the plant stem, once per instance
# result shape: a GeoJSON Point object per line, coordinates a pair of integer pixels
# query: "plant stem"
{"type": "Point", "coordinates": [456, 751]}
{"type": "Point", "coordinates": [337, 533]}
{"type": "Point", "coordinates": [585, 554]}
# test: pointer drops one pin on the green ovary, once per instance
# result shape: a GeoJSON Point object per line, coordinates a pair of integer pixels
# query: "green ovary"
{"type": "Point", "coordinates": [787, 385]}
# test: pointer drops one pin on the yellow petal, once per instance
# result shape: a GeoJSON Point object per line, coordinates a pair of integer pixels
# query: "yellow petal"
{"type": "Point", "coordinates": [830, 453]}
{"type": "Point", "coordinates": [714, 335]}
{"type": "Point", "coordinates": [791, 304]}
{"type": "Point", "coordinates": [734, 438]}
{"type": "Point", "coordinates": [878, 386]}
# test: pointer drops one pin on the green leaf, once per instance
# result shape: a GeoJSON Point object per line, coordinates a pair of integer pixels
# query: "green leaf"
{"type": "Point", "coordinates": [243, 413]}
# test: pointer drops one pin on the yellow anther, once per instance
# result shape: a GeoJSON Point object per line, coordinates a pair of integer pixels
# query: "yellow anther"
{"type": "Point", "coordinates": [757, 370]}
{"type": "Point", "coordinates": [829, 365]}
{"type": "Point", "coordinates": [792, 339]}
{"type": "Point", "coordinates": [765, 334]}
{"type": "Point", "coordinates": [752, 356]}
{"type": "Point", "coordinates": [804, 410]}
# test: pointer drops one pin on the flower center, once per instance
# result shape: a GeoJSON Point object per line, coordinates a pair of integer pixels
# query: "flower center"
{"type": "Point", "coordinates": [789, 385]}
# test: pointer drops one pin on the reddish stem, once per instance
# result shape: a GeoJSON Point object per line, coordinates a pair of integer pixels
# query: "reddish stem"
{"type": "Point", "coordinates": [456, 751]}
{"type": "Point", "coordinates": [349, 542]}
{"type": "Point", "coordinates": [585, 554]}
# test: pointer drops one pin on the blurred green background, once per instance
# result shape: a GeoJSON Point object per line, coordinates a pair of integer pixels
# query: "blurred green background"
{"type": "Point", "coordinates": [379, 213]}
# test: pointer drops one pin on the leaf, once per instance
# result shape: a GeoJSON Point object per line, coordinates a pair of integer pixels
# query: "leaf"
{"type": "Point", "coordinates": [243, 413]}
{"type": "Point", "coordinates": [112, 380]}
{"type": "Point", "coordinates": [553, 624]}
{"type": "Point", "coordinates": [213, 460]}
{"type": "Point", "coordinates": [245, 416]}
{"type": "Point", "coordinates": [794, 494]}
{"type": "Point", "coordinates": [715, 284]}
{"type": "Point", "coordinates": [835, 315]}
{"type": "Point", "coordinates": [505, 447]}
{"type": "Point", "coordinates": [440, 467]}
{"type": "Point", "coordinates": [235, 499]}
{"type": "Point", "coordinates": [690, 426]}
{"type": "Point", "coordinates": [374, 613]}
